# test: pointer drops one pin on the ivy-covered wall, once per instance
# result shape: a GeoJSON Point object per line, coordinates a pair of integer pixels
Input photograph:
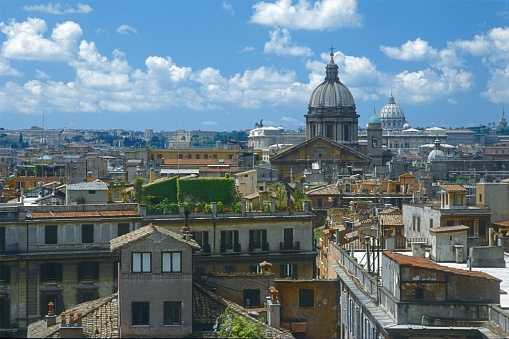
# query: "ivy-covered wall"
{"type": "Point", "coordinates": [166, 189]}
{"type": "Point", "coordinates": [207, 190]}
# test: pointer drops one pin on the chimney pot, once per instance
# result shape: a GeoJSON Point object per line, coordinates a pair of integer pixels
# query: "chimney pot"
{"type": "Point", "coordinates": [62, 315]}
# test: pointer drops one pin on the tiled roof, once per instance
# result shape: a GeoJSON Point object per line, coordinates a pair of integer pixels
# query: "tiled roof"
{"type": "Point", "coordinates": [83, 214]}
{"type": "Point", "coordinates": [391, 217]}
{"type": "Point", "coordinates": [145, 231]}
{"type": "Point", "coordinates": [407, 260]}
{"type": "Point", "coordinates": [448, 229]}
{"type": "Point", "coordinates": [100, 320]}
{"type": "Point", "coordinates": [453, 188]}
{"type": "Point", "coordinates": [201, 162]}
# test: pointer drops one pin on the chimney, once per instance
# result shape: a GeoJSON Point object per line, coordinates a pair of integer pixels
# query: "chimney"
{"type": "Point", "coordinates": [265, 267]}
{"type": "Point", "coordinates": [74, 329]}
{"type": "Point", "coordinates": [272, 207]}
{"type": "Point", "coordinates": [89, 176]}
{"type": "Point", "coordinates": [185, 229]}
{"type": "Point", "coordinates": [273, 309]}
{"type": "Point", "coordinates": [181, 210]}
{"type": "Point", "coordinates": [51, 318]}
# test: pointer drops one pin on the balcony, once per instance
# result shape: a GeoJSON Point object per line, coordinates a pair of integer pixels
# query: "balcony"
{"type": "Point", "coordinates": [256, 247]}
{"type": "Point", "coordinates": [289, 246]}
{"type": "Point", "coordinates": [230, 248]}
{"type": "Point", "coordinates": [205, 250]}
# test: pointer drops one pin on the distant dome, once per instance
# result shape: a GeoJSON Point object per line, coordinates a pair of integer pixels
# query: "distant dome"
{"type": "Point", "coordinates": [331, 92]}
{"type": "Point", "coordinates": [392, 116]}
{"type": "Point", "coordinates": [406, 125]}
{"type": "Point", "coordinates": [437, 154]}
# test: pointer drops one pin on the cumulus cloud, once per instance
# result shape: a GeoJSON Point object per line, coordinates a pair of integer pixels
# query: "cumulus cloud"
{"type": "Point", "coordinates": [25, 40]}
{"type": "Point", "coordinates": [411, 51]}
{"type": "Point", "coordinates": [59, 9]}
{"type": "Point", "coordinates": [126, 29]}
{"type": "Point", "coordinates": [281, 44]}
{"type": "Point", "coordinates": [303, 14]}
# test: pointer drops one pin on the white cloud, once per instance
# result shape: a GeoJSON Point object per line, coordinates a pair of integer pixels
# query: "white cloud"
{"type": "Point", "coordinates": [7, 70]}
{"type": "Point", "coordinates": [58, 8]}
{"type": "Point", "coordinates": [209, 123]}
{"type": "Point", "coordinates": [310, 15]}
{"type": "Point", "coordinates": [411, 51]}
{"type": "Point", "coordinates": [248, 49]}
{"type": "Point", "coordinates": [25, 40]}
{"type": "Point", "coordinates": [126, 29]}
{"type": "Point", "coordinates": [227, 7]}
{"type": "Point", "coordinates": [281, 44]}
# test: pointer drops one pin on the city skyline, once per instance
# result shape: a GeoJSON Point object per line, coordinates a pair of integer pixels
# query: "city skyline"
{"type": "Point", "coordinates": [224, 65]}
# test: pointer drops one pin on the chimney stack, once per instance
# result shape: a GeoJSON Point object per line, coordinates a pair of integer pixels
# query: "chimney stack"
{"type": "Point", "coordinates": [74, 329]}
{"type": "Point", "coordinates": [51, 318]}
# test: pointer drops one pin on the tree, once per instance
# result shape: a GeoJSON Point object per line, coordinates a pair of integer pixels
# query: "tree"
{"type": "Point", "coordinates": [233, 326]}
{"type": "Point", "coordinates": [138, 188]}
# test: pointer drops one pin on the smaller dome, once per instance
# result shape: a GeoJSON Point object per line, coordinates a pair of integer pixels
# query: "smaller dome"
{"type": "Point", "coordinates": [436, 155]}
{"type": "Point", "coordinates": [407, 125]}
{"type": "Point", "coordinates": [374, 119]}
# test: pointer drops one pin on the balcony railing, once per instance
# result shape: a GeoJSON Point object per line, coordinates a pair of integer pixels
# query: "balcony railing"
{"type": "Point", "coordinates": [255, 247]}
{"type": "Point", "coordinates": [289, 246]}
{"type": "Point", "coordinates": [230, 248]}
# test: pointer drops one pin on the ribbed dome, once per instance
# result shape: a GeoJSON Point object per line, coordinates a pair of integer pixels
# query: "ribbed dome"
{"type": "Point", "coordinates": [392, 110]}
{"type": "Point", "coordinates": [392, 116]}
{"type": "Point", "coordinates": [331, 92]}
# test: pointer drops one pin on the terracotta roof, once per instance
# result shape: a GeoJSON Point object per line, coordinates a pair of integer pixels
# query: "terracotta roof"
{"type": "Point", "coordinates": [407, 260]}
{"type": "Point", "coordinates": [502, 223]}
{"type": "Point", "coordinates": [83, 214]}
{"type": "Point", "coordinates": [202, 162]}
{"type": "Point", "coordinates": [448, 229]}
{"type": "Point", "coordinates": [391, 217]}
{"type": "Point", "coordinates": [145, 231]}
{"type": "Point", "coordinates": [453, 188]}
{"type": "Point", "coordinates": [100, 320]}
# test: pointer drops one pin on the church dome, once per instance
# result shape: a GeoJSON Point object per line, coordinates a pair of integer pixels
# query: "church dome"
{"type": "Point", "coordinates": [437, 154]}
{"type": "Point", "coordinates": [392, 116]}
{"type": "Point", "coordinates": [331, 92]}
{"type": "Point", "coordinates": [374, 119]}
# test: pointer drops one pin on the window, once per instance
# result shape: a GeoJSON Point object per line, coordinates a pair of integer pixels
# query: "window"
{"type": "Point", "coordinates": [91, 191]}
{"type": "Point", "coordinates": [306, 297]}
{"type": "Point", "coordinates": [88, 271]}
{"type": "Point", "coordinates": [85, 295]}
{"type": "Point", "coordinates": [122, 229]}
{"type": "Point", "coordinates": [418, 224]}
{"type": "Point", "coordinates": [258, 240]}
{"type": "Point", "coordinates": [252, 298]}
{"type": "Point", "coordinates": [114, 272]}
{"type": "Point", "coordinates": [2, 240]}
{"type": "Point", "coordinates": [5, 274]}
{"type": "Point", "coordinates": [141, 262]}
{"type": "Point", "coordinates": [319, 202]}
{"type": "Point", "coordinates": [87, 234]}
{"type": "Point", "coordinates": [205, 156]}
{"type": "Point", "coordinates": [413, 222]}
{"type": "Point", "coordinates": [55, 297]}
{"type": "Point", "coordinates": [140, 312]}
{"type": "Point", "coordinates": [254, 269]}
{"type": "Point", "coordinates": [50, 234]}
{"type": "Point", "coordinates": [172, 312]}
{"type": "Point", "coordinates": [202, 238]}
{"type": "Point", "coordinates": [51, 272]}
{"type": "Point", "coordinates": [197, 156]}
{"type": "Point", "coordinates": [419, 293]}
{"type": "Point", "coordinates": [172, 262]}
{"type": "Point", "coordinates": [230, 241]}
{"type": "Point", "coordinates": [430, 223]}
{"type": "Point", "coordinates": [480, 197]}
{"type": "Point", "coordinates": [288, 271]}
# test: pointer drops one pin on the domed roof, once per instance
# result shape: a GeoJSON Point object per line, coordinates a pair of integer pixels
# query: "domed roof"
{"type": "Point", "coordinates": [391, 110]}
{"type": "Point", "coordinates": [437, 154]}
{"type": "Point", "coordinates": [331, 92]}
{"type": "Point", "coordinates": [407, 125]}
{"type": "Point", "coordinates": [374, 119]}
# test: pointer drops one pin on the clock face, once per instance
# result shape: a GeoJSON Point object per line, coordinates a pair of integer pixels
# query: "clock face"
{"type": "Point", "coordinates": [320, 152]}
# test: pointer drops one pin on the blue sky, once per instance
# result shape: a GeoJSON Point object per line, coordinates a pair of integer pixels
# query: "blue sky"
{"type": "Point", "coordinates": [224, 65]}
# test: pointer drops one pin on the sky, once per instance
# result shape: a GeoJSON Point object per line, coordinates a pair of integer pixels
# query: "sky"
{"type": "Point", "coordinates": [224, 65]}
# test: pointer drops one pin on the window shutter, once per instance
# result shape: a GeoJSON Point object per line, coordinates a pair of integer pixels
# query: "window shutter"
{"type": "Point", "coordinates": [282, 270]}
{"type": "Point", "coordinates": [206, 237]}
{"type": "Point", "coordinates": [235, 237]}
{"type": "Point", "coordinates": [294, 268]}
{"type": "Point", "coordinates": [264, 236]}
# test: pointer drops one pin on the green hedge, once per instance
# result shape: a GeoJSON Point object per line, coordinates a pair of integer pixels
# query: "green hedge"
{"type": "Point", "coordinates": [208, 190]}
{"type": "Point", "coordinates": [166, 189]}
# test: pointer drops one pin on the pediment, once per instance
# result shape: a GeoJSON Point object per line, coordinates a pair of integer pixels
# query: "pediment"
{"type": "Point", "coordinates": [320, 148]}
